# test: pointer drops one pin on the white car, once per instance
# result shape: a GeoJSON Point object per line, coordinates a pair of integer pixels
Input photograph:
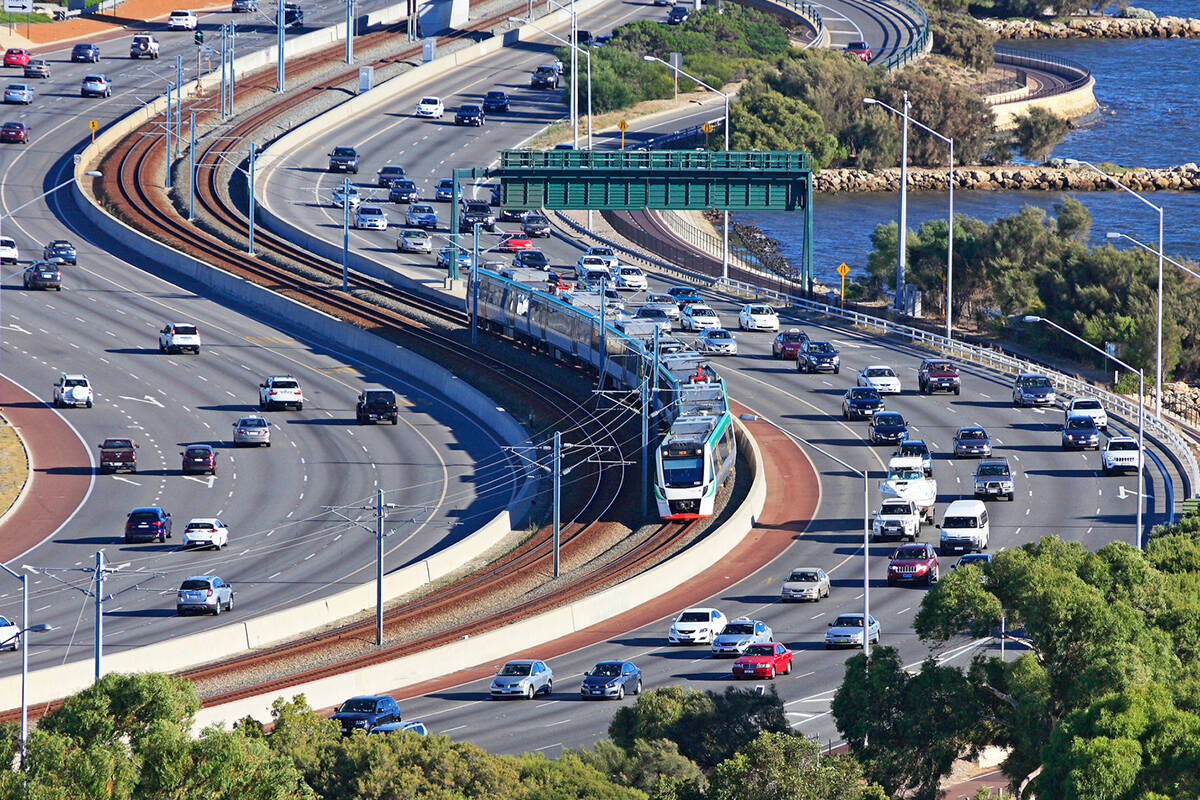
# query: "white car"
{"type": "Point", "coordinates": [72, 390]}
{"type": "Point", "coordinates": [176, 337]}
{"type": "Point", "coordinates": [631, 279]}
{"type": "Point", "coordinates": [181, 20]}
{"type": "Point", "coordinates": [414, 240]}
{"type": "Point", "coordinates": [665, 302]}
{"type": "Point", "coordinates": [1120, 454]}
{"type": "Point", "coordinates": [717, 341]}
{"type": "Point", "coordinates": [280, 391]}
{"type": "Point", "coordinates": [739, 634]}
{"type": "Point", "coordinates": [758, 317]}
{"type": "Point", "coordinates": [882, 379]}
{"type": "Point", "coordinates": [1087, 407]}
{"type": "Point", "coordinates": [906, 480]}
{"type": "Point", "coordinates": [431, 107]}
{"type": "Point", "coordinates": [206, 532]}
{"type": "Point", "coordinates": [10, 634]}
{"type": "Point", "coordinates": [591, 265]}
{"type": "Point", "coordinates": [606, 253]}
{"type": "Point", "coordinates": [805, 583]}
{"type": "Point", "coordinates": [696, 626]}
{"type": "Point", "coordinates": [18, 93]}
{"type": "Point", "coordinates": [8, 250]}
{"type": "Point", "coordinates": [697, 317]}
{"type": "Point", "coordinates": [341, 195]}
{"type": "Point", "coordinates": [370, 218]}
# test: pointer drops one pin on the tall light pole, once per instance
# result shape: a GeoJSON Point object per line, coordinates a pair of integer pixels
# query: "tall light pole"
{"type": "Point", "coordinates": [574, 47]}
{"type": "Point", "coordinates": [1158, 376]}
{"type": "Point", "coordinates": [725, 226]}
{"type": "Point", "coordinates": [279, 46]}
{"type": "Point", "coordinates": [27, 628]}
{"type": "Point", "coordinates": [1144, 246]}
{"type": "Point", "coordinates": [949, 140]}
{"type": "Point", "coordinates": [1137, 534]}
{"type": "Point", "coordinates": [91, 174]}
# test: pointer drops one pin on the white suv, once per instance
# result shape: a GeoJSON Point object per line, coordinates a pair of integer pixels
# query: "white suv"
{"type": "Point", "coordinates": [176, 337]}
{"type": "Point", "coordinates": [1121, 454]}
{"type": "Point", "coordinates": [8, 250]}
{"type": "Point", "coordinates": [73, 390]}
{"type": "Point", "coordinates": [181, 20]}
{"type": "Point", "coordinates": [280, 391]}
{"type": "Point", "coordinates": [1088, 407]}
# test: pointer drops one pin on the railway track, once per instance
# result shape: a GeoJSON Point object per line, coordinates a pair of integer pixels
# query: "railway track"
{"type": "Point", "coordinates": [130, 172]}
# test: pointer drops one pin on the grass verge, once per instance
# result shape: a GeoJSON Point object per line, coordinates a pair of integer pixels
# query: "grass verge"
{"type": "Point", "coordinates": [14, 466]}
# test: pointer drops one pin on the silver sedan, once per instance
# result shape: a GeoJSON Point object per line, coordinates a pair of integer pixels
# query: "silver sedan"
{"type": "Point", "coordinates": [414, 240]}
{"type": "Point", "coordinates": [251, 430]}
{"type": "Point", "coordinates": [18, 93]}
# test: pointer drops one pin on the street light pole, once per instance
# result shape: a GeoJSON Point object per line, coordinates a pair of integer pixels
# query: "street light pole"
{"type": "Point", "coordinates": [703, 85]}
{"type": "Point", "coordinates": [1158, 370]}
{"type": "Point", "coordinates": [574, 47]}
{"type": "Point", "coordinates": [279, 46]}
{"type": "Point", "coordinates": [192, 168]}
{"type": "Point", "coordinates": [26, 628]}
{"type": "Point", "coordinates": [90, 173]}
{"type": "Point", "coordinates": [949, 140]}
{"type": "Point", "coordinates": [345, 234]}
{"type": "Point", "coordinates": [1144, 246]}
{"type": "Point", "coordinates": [250, 246]}
{"type": "Point", "coordinates": [1137, 534]}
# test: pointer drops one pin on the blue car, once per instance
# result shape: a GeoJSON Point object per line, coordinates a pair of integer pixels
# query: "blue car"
{"type": "Point", "coordinates": [887, 427]}
{"type": "Point", "coordinates": [847, 631]}
{"type": "Point", "coordinates": [60, 249]}
{"type": "Point", "coordinates": [861, 402]}
{"type": "Point", "coordinates": [612, 679]}
{"type": "Point", "coordinates": [444, 255]}
{"type": "Point", "coordinates": [421, 215]}
{"type": "Point", "coordinates": [392, 727]}
{"type": "Point", "coordinates": [684, 295]}
{"type": "Point", "coordinates": [979, 559]}
{"type": "Point", "coordinates": [444, 190]}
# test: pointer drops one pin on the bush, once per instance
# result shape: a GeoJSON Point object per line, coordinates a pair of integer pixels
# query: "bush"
{"type": "Point", "coordinates": [960, 37]}
{"type": "Point", "coordinates": [1129, 12]}
{"type": "Point", "coordinates": [772, 121]}
{"type": "Point", "coordinates": [1038, 131]}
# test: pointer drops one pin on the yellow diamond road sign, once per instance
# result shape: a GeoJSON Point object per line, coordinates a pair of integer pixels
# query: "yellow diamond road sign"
{"type": "Point", "coordinates": [93, 124]}
{"type": "Point", "coordinates": [843, 269]}
{"type": "Point", "coordinates": [706, 127]}
{"type": "Point", "coordinates": [622, 126]}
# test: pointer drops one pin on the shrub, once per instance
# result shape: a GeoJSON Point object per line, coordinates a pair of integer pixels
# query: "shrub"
{"type": "Point", "coordinates": [960, 37]}
{"type": "Point", "coordinates": [1038, 131]}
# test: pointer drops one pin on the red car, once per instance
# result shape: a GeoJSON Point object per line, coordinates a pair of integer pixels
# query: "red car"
{"type": "Point", "coordinates": [199, 458]}
{"type": "Point", "coordinates": [937, 375]}
{"type": "Point", "coordinates": [763, 661]}
{"type": "Point", "coordinates": [914, 563]}
{"type": "Point", "coordinates": [787, 343]}
{"type": "Point", "coordinates": [16, 57]}
{"type": "Point", "coordinates": [14, 132]}
{"type": "Point", "coordinates": [860, 49]}
{"type": "Point", "coordinates": [513, 241]}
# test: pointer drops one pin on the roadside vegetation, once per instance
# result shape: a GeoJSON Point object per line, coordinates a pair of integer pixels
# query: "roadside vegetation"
{"type": "Point", "coordinates": [1103, 694]}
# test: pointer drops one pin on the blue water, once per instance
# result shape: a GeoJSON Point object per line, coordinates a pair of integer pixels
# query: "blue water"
{"type": "Point", "coordinates": [1149, 116]}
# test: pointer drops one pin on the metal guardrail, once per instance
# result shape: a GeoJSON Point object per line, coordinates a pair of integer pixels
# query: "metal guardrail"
{"type": "Point", "coordinates": [1076, 73]}
{"type": "Point", "coordinates": [708, 243]}
{"type": "Point", "coordinates": [993, 359]}
{"type": "Point", "coordinates": [688, 134]}
{"type": "Point", "coordinates": [915, 47]}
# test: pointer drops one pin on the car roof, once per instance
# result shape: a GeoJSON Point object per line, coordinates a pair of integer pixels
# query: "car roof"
{"type": "Point", "coordinates": [700, 608]}
{"type": "Point", "coordinates": [1122, 439]}
{"type": "Point", "coordinates": [369, 697]}
{"type": "Point", "coordinates": [965, 507]}
{"type": "Point", "coordinates": [198, 446]}
{"type": "Point", "coordinates": [155, 509]}
{"type": "Point", "coordinates": [206, 520]}
{"type": "Point", "coordinates": [522, 661]}
{"type": "Point", "coordinates": [201, 577]}
{"type": "Point", "coordinates": [74, 376]}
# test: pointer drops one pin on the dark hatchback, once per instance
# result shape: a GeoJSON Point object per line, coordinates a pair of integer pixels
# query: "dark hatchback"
{"type": "Point", "coordinates": [88, 53]}
{"type": "Point", "coordinates": [495, 101]}
{"type": "Point", "coordinates": [613, 679]}
{"type": "Point", "coordinates": [364, 713]}
{"type": "Point", "coordinates": [971, 440]}
{"type": "Point", "coordinates": [146, 524]}
{"type": "Point", "coordinates": [389, 174]}
{"type": "Point", "coordinates": [470, 114]}
{"type": "Point", "coordinates": [199, 458]}
{"type": "Point", "coordinates": [1080, 433]}
{"type": "Point", "coordinates": [60, 248]}
{"type": "Point", "coordinates": [42, 276]}
{"type": "Point", "coordinates": [861, 402]}
{"type": "Point", "coordinates": [818, 357]}
{"type": "Point", "coordinates": [684, 295]}
{"type": "Point", "coordinates": [377, 405]}
{"type": "Point", "coordinates": [531, 259]}
{"type": "Point", "coordinates": [404, 191]}
{"type": "Point", "coordinates": [14, 132]}
{"type": "Point", "coordinates": [535, 225]}
{"type": "Point", "coordinates": [887, 427]}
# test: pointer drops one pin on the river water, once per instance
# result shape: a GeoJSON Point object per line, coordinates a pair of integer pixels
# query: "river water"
{"type": "Point", "coordinates": [1149, 116]}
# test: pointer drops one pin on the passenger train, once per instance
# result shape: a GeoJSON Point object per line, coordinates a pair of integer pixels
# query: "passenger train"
{"type": "Point", "coordinates": [698, 451]}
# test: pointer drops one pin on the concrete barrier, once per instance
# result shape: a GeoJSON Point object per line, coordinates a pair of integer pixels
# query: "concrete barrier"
{"type": "Point", "coordinates": [530, 632]}
{"type": "Point", "coordinates": [1070, 104]}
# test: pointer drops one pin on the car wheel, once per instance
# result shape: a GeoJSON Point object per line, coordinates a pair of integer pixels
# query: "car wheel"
{"type": "Point", "coordinates": [89, 403]}
{"type": "Point", "coordinates": [529, 692]}
{"type": "Point", "coordinates": [772, 672]}
{"type": "Point", "coordinates": [217, 608]}
{"type": "Point", "coordinates": [638, 689]}
{"type": "Point", "coordinates": [787, 670]}
{"type": "Point", "coordinates": [828, 646]}
{"type": "Point", "coordinates": [957, 391]}
{"type": "Point", "coordinates": [299, 406]}
{"type": "Point", "coordinates": [621, 692]}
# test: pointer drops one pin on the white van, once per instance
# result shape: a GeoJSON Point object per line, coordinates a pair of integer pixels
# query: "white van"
{"type": "Point", "coordinates": [965, 527]}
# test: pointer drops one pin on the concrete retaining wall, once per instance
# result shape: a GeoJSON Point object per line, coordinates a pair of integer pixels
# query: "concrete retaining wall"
{"type": "Point", "coordinates": [528, 633]}
{"type": "Point", "coordinates": [1075, 103]}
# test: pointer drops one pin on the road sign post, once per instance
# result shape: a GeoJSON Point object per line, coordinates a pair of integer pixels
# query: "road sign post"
{"type": "Point", "coordinates": [622, 126]}
{"type": "Point", "coordinates": [93, 124]}
{"type": "Point", "coordinates": [843, 270]}
{"type": "Point", "coordinates": [707, 128]}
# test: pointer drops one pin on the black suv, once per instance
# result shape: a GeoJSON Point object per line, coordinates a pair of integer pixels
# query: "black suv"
{"type": "Point", "coordinates": [389, 174]}
{"type": "Point", "coordinates": [535, 225]}
{"type": "Point", "coordinates": [376, 405]}
{"type": "Point", "coordinates": [495, 101]}
{"type": "Point", "coordinates": [818, 357]}
{"type": "Point", "coordinates": [677, 15]}
{"type": "Point", "coordinates": [473, 212]}
{"type": "Point", "coordinates": [88, 53]}
{"type": "Point", "coordinates": [404, 191]}
{"type": "Point", "coordinates": [147, 524]}
{"type": "Point", "coordinates": [293, 15]}
{"type": "Point", "coordinates": [365, 713]}
{"type": "Point", "coordinates": [469, 114]}
{"type": "Point", "coordinates": [544, 77]}
{"type": "Point", "coordinates": [861, 402]}
{"type": "Point", "coordinates": [344, 159]}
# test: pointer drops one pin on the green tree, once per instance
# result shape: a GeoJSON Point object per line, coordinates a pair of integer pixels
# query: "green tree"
{"type": "Point", "coordinates": [782, 765]}
{"type": "Point", "coordinates": [960, 37]}
{"type": "Point", "coordinates": [774, 122]}
{"type": "Point", "coordinates": [1038, 131]}
{"type": "Point", "coordinates": [655, 766]}
{"type": "Point", "coordinates": [569, 778]}
{"type": "Point", "coordinates": [951, 110]}
{"type": "Point", "coordinates": [121, 706]}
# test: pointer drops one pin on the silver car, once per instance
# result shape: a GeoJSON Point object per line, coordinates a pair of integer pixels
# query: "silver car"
{"type": "Point", "coordinates": [203, 594]}
{"type": "Point", "coordinates": [251, 430]}
{"type": "Point", "coordinates": [414, 240]}
{"type": "Point", "coordinates": [739, 634]}
{"type": "Point", "coordinates": [370, 218]}
{"type": "Point", "coordinates": [524, 677]}
{"type": "Point", "coordinates": [805, 583]}
{"type": "Point", "coordinates": [18, 93]}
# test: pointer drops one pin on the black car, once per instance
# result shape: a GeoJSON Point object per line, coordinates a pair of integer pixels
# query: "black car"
{"type": "Point", "coordinates": [404, 191]}
{"type": "Point", "coordinates": [972, 440]}
{"type": "Point", "coordinates": [495, 189]}
{"type": "Point", "coordinates": [469, 114]}
{"type": "Point", "coordinates": [887, 427]}
{"type": "Point", "coordinates": [243, 6]}
{"type": "Point", "coordinates": [818, 357]}
{"type": "Point", "coordinates": [60, 249]}
{"type": "Point", "coordinates": [344, 159]}
{"type": "Point", "coordinates": [1080, 433]}
{"type": "Point", "coordinates": [684, 295]}
{"type": "Point", "coordinates": [389, 174]}
{"type": "Point", "coordinates": [364, 713]}
{"type": "Point", "coordinates": [544, 77]}
{"type": "Point", "coordinates": [531, 259]}
{"type": "Point", "coordinates": [613, 679]}
{"type": "Point", "coordinates": [87, 53]}
{"type": "Point", "coordinates": [583, 38]}
{"type": "Point", "coordinates": [861, 402]}
{"type": "Point", "coordinates": [475, 212]}
{"type": "Point", "coordinates": [41, 275]}
{"type": "Point", "coordinates": [376, 405]}
{"type": "Point", "coordinates": [293, 16]}
{"type": "Point", "coordinates": [512, 214]}
{"type": "Point", "coordinates": [496, 101]}
{"type": "Point", "coordinates": [535, 225]}
{"type": "Point", "coordinates": [677, 15]}
{"type": "Point", "coordinates": [147, 524]}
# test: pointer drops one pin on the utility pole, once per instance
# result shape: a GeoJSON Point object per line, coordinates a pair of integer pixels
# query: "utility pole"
{"type": "Point", "coordinates": [232, 34]}
{"type": "Point", "coordinates": [192, 167]}
{"type": "Point", "coordinates": [556, 471]}
{"type": "Point", "coordinates": [224, 68]}
{"type": "Point", "coordinates": [279, 46]}
{"type": "Point", "coordinates": [250, 246]}
{"type": "Point", "coordinates": [178, 101]}
{"type": "Point", "coordinates": [346, 234]}
{"type": "Point", "coordinates": [167, 153]}
{"type": "Point", "coordinates": [349, 31]}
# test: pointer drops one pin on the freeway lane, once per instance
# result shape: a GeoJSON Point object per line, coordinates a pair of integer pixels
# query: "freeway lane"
{"type": "Point", "coordinates": [284, 546]}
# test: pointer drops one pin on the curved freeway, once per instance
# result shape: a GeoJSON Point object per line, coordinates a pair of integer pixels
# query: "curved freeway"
{"type": "Point", "coordinates": [284, 548]}
{"type": "Point", "coordinates": [1058, 493]}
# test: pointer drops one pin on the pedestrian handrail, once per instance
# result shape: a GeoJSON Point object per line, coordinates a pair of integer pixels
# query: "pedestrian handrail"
{"type": "Point", "coordinates": [917, 46]}
{"type": "Point", "coordinates": [992, 358]}
{"type": "Point", "coordinates": [1076, 74]}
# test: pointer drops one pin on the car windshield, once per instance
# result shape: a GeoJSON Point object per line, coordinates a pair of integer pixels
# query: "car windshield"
{"type": "Point", "coordinates": [910, 552]}
{"type": "Point", "coordinates": [820, 347]}
{"type": "Point", "coordinates": [738, 629]}
{"type": "Point", "coordinates": [416, 235]}
{"type": "Point", "coordinates": [445, 183]}
{"type": "Point", "coordinates": [894, 509]}
{"type": "Point", "coordinates": [889, 419]}
{"type": "Point", "coordinates": [198, 452]}
{"type": "Point", "coordinates": [477, 207]}
{"type": "Point", "coordinates": [960, 522]}
{"type": "Point", "coordinates": [1122, 445]}
{"type": "Point", "coordinates": [719, 335]}
{"type": "Point", "coordinates": [660, 298]}
{"type": "Point", "coordinates": [1087, 405]}
{"type": "Point", "coordinates": [857, 46]}
{"type": "Point", "coordinates": [904, 474]}
{"type": "Point", "coordinates": [494, 95]}
{"type": "Point", "coordinates": [1035, 383]}
{"type": "Point", "coordinates": [804, 576]}
{"type": "Point", "coordinates": [703, 312]}
{"type": "Point", "coordinates": [910, 449]}
{"type": "Point", "coordinates": [515, 669]}
{"type": "Point", "coordinates": [601, 251]}
{"type": "Point", "coordinates": [848, 621]}
{"type": "Point", "coordinates": [405, 186]}
{"type": "Point", "coordinates": [880, 372]}
{"type": "Point", "coordinates": [343, 151]}
{"type": "Point", "coordinates": [683, 470]}
{"type": "Point", "coordinates": [371, 211]}
{"type": "Point", "coordinates": [536, 219]}
{"type": "Point", "coordinates": [1080, 423]}
{"type": "Point", "coordinates": [864, 393]}
{"type": "Point", "coordinates": [357, 706]}
{"type": "Point", "coordinates": [193, 585]}
{"type": "Point", "coordinates": [421, 209]}
{"type": "Point", "coordinates": [760, 650]}
{"type": "Point", "coordinates": [993, 469]}
{"type": "Point", "coordinates": [694, 616]}
{"type": "Point", "coordinates": [122, 444]}
{"type": "Point", "coordinates": [631, 270]}
{"type": "Point", "coordinates": [972, 433]}
{"type": "Point", "coordinates": [252, 422]}
{"type": "Point", "coordinates": [605, 670]}
{"type": "Point", "coordinates": [762, 310]}
{"type": "Point", "coordinates": [941, 366]}
{"type": "Point", "coordinates": [429, 101]}
{"type": "Point", "coordinates": [651, 313]}
{"type": "Point", "coordinates": [792, 337]}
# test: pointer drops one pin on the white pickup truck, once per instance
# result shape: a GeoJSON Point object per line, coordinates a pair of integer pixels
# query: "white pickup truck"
{"type": "Point", "coordinates": [906, 481]}
{"type": "Point", "coordinates": [896, 519]}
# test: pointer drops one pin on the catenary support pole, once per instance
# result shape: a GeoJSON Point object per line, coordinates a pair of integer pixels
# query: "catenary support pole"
{"type": "Point", "coordinates": [250, 246]}
{"type": "Point", "coordinates": [279, 46]}
{"type": "Point", "coordinates": [224, 68]}
{"type": "Point", "coordinates": [192, 167]}
{"type": "Point", "coordinates": [556, 469]}
{"type": "Point", "coordinates": [167, 152]}
{"type": "Point", "coordinates": [346, 234]}
{"type": "Point", "coordinates": [379, 567]}
{"type": "Point", "coordinates": [99, 644]}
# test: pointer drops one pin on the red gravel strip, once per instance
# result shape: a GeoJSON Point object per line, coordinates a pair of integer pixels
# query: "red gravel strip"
{"type": "Point", "coordinates": [60, 474]}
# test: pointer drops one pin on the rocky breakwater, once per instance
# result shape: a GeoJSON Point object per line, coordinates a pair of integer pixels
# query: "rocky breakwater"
{"type": "Point", "coordinates": [1048, 178]}
{"type": "Point", "coordinates": [1096, 28]}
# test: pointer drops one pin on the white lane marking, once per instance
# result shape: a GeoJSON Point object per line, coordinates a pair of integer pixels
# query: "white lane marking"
{"type": "Point", "coordinates": [310, 555]}
{"type": "Point", "coordinates": [901, 611]}
{"type": "Point", "coordinates": [561, 721]}
{"type": "Point", "coordinates": [277, 574]}
{"type": "Point", "coordinates": [539, 749]}
{"type": "Point", "coordinates": [543, 705]}
{"type": "Point", "coordinates": [125, 480]}
{"type": "Point", "coordinates": [143, 399]}
{"type": "Point", "coordinates": [455, 728]}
